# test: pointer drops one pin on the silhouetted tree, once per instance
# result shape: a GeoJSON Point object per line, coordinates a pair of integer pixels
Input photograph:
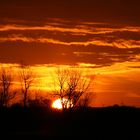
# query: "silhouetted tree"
{"type": "Point", "coordinates": [60, 82]}
{"type": "Point", "coordinates": [26, 79]}
{"type": "Point", "coordinates": [86, 100]}
{"type": "Point", "coordinates": [39, 100]}
{"type": "Point", "coordinates": [71, 85]}
{"type": "Point", "coordinates": [5, 87]}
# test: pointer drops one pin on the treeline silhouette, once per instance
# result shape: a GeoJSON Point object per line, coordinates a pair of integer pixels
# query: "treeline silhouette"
{"type": "Point", "coordinates": [41, 122]}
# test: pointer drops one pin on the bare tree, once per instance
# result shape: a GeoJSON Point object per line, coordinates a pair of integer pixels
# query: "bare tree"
{"type": "Point", "coordinates": [71, 85]}
{"type": "Point", "coordinates": [77, 86]}
{"type": "Point", "coordinates": [60, 83]}
{"type": "Point", "coordinates": [86, 100]}
{"type": "Point", "coordinates": [26, 79]}
{"type": "Point", "coordinates": [5, 87]}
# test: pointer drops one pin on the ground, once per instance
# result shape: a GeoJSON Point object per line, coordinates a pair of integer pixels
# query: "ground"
{"type": "Point", "coordinates": [38, 122]}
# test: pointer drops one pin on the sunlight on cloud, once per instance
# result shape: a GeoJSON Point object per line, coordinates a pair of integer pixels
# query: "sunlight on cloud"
{"type": "Point", "coordinates": [117, 43]}
{"type": "Point", "coordinates": [47, 27]}
{"type": "Point", "coordinates": [78, 33]}
{"type": "Point", "coordinates": [82, 28]}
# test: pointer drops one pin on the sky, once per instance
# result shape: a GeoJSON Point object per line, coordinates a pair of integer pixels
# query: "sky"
{"type": "Point", "coordinates": [101, 35]}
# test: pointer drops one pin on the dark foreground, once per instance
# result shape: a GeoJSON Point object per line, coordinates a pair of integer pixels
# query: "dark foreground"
{"type": "Point", "coordinates": [38, 122]}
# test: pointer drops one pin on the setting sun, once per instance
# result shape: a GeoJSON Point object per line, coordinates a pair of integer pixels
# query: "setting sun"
{"type": "Point", "coordinates": [57, 104]}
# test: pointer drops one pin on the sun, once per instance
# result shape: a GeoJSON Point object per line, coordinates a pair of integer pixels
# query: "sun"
{"type": "Point", "coordinates": [57, 104]}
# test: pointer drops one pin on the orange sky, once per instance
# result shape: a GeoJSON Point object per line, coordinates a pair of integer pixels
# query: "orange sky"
{"type": "Point", "coordinates": [94, 34]}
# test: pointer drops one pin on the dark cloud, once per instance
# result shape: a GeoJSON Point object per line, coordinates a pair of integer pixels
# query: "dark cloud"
{"type": "Point", "coordinates": [36, 53]}
{"type": "Point", "coordinates": [119, 11]}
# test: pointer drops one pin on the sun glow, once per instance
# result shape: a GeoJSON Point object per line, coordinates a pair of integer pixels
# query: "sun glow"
{"type": "Point", "coordinates": [57, 104]}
